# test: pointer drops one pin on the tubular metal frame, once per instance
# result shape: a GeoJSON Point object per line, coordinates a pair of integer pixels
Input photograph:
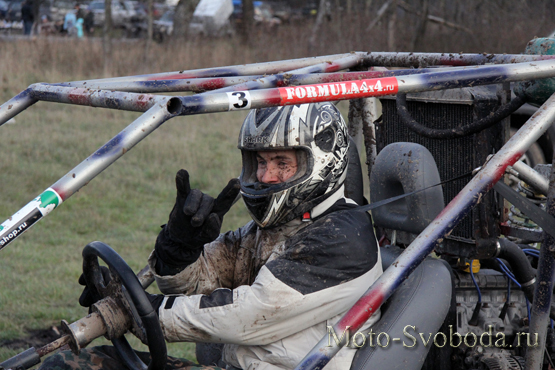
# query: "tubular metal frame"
{"type": "Point", "coordinates": [295, 82]}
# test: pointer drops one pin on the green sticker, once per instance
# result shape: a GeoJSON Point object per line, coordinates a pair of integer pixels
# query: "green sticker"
{"type": "Point", "coordinates": [49, 198]}
{"type": "Point", "coordinates": [1, 227]}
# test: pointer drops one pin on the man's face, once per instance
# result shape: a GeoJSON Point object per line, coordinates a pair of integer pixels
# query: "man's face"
{"type": "Point", "coordinates": [276, 166]}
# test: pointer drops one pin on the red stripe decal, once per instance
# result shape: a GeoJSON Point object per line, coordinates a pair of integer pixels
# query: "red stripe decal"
{"type": "Point", "coordinates": [338, 90]}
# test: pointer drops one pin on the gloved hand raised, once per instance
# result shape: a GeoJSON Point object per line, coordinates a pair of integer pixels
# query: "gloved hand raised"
{"type": "Point", "coordinates": [195, 220]}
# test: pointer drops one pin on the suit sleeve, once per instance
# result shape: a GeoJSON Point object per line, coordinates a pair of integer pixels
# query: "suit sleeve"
{"type": "Point", "coordinates": [325, 269]}
{"type": "Point", "coordinates": [214, 268]}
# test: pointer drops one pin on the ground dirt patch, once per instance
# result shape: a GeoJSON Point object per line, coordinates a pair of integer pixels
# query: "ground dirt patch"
{"type": "Point", "coordinates": [35, 338]}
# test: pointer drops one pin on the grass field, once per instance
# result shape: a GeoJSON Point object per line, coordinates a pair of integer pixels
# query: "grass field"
{"type": "Point", "coordinates": [124, 206]}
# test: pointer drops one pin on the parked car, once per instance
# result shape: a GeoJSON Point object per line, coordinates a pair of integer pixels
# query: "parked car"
{"type": "Point", "coordinates": [3, 9]}
{"type": "Point", "coordinates": [14, 10]}
{"type": "Point", "coordinates": [122, 12]}
{"type": "Point", "coordinates": [59, 8]}
{"type": "Point", "coordinates": [163, 27]}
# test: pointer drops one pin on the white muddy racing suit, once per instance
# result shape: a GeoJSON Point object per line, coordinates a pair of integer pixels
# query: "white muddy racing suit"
{"type": "Point", "coordinates": [270, 294]}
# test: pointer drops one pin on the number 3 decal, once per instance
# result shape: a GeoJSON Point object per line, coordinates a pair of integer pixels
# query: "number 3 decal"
{"type": "Point", "coordinates": [239, 100]}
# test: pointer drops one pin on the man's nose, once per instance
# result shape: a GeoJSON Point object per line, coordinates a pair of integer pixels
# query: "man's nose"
{"type": "Point", "coordinates": [271, 175]}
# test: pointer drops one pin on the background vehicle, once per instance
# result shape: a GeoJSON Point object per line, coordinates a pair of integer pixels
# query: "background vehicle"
{"type": "Point", "coordinates": [14, 10]}
{"type": "Point", "coordinates": [122, 12]}
{"type": "Point", "coordinates": [3, 9]}
{"type": "Point", "coordinates": [163, 27]}
{"type": "Point", "coordinates": [211, 18]}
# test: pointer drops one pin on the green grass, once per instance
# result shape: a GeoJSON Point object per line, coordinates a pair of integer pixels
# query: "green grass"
{"type": "Point", "coordinates": [124, 206]}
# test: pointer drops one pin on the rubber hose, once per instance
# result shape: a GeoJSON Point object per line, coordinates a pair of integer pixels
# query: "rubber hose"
{"type": "Point", "coordinates": [523, 270]}
{"type": "Point", "coordinates": [472, 128]}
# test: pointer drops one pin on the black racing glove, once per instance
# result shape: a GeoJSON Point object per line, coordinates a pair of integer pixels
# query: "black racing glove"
{"type": "Point", "coordinates": [90, 296]}
{"type": "Point", "coordinates": [196, 219]}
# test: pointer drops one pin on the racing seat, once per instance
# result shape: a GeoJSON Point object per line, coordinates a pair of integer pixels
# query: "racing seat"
{"type": "Point", "coordinates": [424, 303]}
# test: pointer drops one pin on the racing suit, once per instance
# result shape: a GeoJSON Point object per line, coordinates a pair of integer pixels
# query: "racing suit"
{"type": "Point", "coordinates": [270, 294]}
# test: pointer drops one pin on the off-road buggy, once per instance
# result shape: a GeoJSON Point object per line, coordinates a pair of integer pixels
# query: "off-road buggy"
{"type": "Point", "coordinates": [466, 229]}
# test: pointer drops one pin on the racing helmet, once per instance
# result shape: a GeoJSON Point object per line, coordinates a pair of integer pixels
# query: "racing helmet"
{"type": "Point", "coordinates": [318, 134]}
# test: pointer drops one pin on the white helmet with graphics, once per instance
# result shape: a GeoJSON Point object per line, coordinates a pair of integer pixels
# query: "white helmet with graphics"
{"type": "Point", "coordinates": [318, 134]}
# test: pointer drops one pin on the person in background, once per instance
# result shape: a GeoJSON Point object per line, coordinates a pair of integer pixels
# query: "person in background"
{"type": "Point", "coordinates": [79, 27]}
{"type": "Point", "coordinates": [69, 22]}
{"type": "Point", "coordinates": [88, 24]}
{"type": "Point", "coordinates": [27, 17]}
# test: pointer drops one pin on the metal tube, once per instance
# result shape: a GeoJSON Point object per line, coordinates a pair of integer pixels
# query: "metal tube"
{"type": "Point", "coordinates": [425, 243]}
{"type": "Point", "coordinates": [543, 292]}
{"type": "Point", "coordinates": [199, 85]}
{"type": "Point", "coordinates": [391, 59]}
{"type": "Point", "coordinates": [218, 102]}
{"type": "Point", "coordinates": [532, 178]}
{"type": "Point", "coordinates": [242, 70]}
{"type": "Point", "coordinates": [95, 98]}
{"type": "Point", "coordinates": [80, 176]}
{"type": "Point", "coordinates": [486, 75]}
{"type": "Point", "coordinates": [370, 59]}
{"type": "Point", "coordinates": [273, 81]}
{"type": "Point", "coordinates": [16, 105]}
{"type": "Point", "coordinates": [142, 102]}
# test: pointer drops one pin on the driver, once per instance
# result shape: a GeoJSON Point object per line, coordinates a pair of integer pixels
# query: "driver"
{"type": "Point", "coordinates": [270, 289]}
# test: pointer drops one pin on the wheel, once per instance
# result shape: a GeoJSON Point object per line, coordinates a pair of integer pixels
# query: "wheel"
{"type": "Point", "coordinates": [143, 314]}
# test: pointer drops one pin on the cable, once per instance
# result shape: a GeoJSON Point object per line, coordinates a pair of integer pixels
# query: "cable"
{"type": "Point", "coordinates": [510, 275]}
{"type": "Point", "coordinates": [474, 319]}
{"type": "Point", "coordinates": [532, 252]}
{"type": "Point", "coordinates": [475, 283]}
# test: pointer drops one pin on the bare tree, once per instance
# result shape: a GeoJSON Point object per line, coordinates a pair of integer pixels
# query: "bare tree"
{"type": "Point", "coordinates": [182, 17]}
{"type": "Point", "coordinates": [149, 31]}
{"type": "Point", "coordinates": [391, 44]}
{"type": "Point", "coordinates": [107, 38]}
{"type": "Point", "coordinates": [150, 23]}
{"type": "Point", "coordinates": [323, 11]}
{"type": "Point", "coordinates": [367, 7]}
{"type": "Point", "coordinates": [420, 29]}
{"type": "Point", "coordinates": [247, 20]}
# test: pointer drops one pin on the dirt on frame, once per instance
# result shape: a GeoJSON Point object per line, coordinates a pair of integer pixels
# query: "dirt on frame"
{"type": "Point", "coordinates": [35, 338]}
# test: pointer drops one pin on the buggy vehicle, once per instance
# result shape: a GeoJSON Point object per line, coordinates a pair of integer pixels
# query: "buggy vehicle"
{"type": "Point", "coordinates": [438, 149]}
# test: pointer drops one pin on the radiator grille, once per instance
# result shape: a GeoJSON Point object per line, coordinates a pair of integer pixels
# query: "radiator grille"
{"type": "Point", "coordinates": [454, 157]}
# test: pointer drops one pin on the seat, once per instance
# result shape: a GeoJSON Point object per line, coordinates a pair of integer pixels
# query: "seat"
{"type": "Point", "coordinates": [401, 168]}
{"type": "Point", "coordinates": [422, 301]}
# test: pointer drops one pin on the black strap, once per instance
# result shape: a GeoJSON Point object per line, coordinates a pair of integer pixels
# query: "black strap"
{"type": "Point", "coordinates": [540, 217]}
{"type": "Point", "coordinates": [383, 202]}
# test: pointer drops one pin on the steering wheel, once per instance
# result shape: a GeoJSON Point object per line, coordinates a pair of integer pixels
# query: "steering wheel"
{"type": "Point", "coordinates": [145, 320]}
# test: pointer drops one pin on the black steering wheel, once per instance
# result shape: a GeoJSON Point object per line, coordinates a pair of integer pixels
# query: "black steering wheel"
{"type": "Point", "coordinates": [145, 321]}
